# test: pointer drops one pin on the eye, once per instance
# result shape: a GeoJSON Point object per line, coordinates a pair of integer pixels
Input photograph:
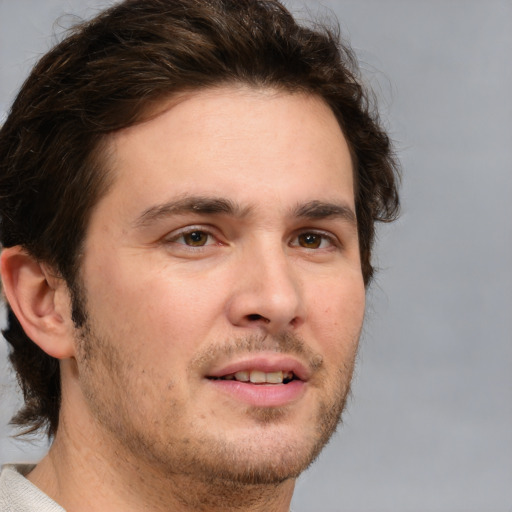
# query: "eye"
{"type": "Point", "coordinates": [312, 240]}
{"type": "Point", "coordinates": [193, 238]}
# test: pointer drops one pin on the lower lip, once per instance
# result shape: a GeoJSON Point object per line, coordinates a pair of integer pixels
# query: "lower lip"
{"type": "Point", "coordinates": [261, 395]}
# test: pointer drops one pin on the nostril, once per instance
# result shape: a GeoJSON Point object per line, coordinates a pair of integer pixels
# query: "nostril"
{"type": "Point", "coordinates": [255, 318]}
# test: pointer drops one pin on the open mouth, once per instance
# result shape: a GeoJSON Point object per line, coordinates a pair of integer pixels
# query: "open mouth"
{"type": "Point", "coordinates": [259, 377]}
{"type": "Point", "coordinates": [261, 382]}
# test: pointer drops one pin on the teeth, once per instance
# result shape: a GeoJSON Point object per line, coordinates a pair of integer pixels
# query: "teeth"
{"type": "Point", "coordinates": [242, 376]}
{"type": "Point", "coordinates": [259, 377]}
{"type": "Point", "coordinates": [275, 377]}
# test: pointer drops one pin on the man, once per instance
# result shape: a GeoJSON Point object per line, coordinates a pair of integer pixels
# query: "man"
{"type": "Point", "coordinates": [188, 197]}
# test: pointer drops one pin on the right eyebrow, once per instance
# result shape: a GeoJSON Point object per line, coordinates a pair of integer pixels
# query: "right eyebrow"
{"type": "Point", "coordinates": [190, 204]}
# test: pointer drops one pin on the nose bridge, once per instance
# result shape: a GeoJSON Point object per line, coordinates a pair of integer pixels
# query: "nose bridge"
{"type": "Point", "coordinates": [278, 281]}
{"type": "Point", "coordinates": [269, 291]}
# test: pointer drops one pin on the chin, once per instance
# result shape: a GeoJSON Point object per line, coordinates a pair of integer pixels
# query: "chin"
{"type": "Point", "coordinates": [271, 466]}
{"type": "Point", "coordinates": [268, 453]}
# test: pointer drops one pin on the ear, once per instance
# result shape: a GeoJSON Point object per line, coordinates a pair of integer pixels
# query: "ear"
{"type": "Point", "coordinates": [40, 301]}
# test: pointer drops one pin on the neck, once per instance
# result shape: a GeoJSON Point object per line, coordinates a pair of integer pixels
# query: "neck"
{"type": "Point", "coordinates": [83, 472]}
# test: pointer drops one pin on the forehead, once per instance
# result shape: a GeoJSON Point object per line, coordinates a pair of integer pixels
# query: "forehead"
{"type": "Point", "coordinates": [249, 144]}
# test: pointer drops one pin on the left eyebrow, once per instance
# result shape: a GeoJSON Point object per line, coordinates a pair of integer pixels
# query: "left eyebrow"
{"type": "Point", "coordinates": [317, 210]}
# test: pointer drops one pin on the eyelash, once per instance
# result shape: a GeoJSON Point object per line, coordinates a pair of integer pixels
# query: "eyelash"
{"type": "Point", "coordinates": [175, 237]}
{"type": "Point", "coordinates": [330, 239]}
{"type": "Point", "coordinates": [324, 237]}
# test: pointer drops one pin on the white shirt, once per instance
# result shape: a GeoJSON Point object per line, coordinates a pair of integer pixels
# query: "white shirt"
{"type": "Point", "coordinates": [17, 494]}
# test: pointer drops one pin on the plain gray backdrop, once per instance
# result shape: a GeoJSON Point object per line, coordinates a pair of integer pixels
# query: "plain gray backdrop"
{"type": "Point", "coordinates": [429, 425]}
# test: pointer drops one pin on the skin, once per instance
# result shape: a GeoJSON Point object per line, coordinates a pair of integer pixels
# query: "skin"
{"type": "Point", "coordinates": [264, 271]}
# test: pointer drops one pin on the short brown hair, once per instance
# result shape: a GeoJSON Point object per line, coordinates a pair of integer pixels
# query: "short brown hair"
{"type": "Point", "coordinates": [105, 76]}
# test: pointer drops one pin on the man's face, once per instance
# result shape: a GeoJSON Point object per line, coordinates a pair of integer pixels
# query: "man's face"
{"type": "Point", "coordinates": [223, 287]}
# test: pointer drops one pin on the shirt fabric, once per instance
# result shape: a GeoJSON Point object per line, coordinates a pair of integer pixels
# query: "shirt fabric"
{"type": "Point", "coordinates": [17, 494]}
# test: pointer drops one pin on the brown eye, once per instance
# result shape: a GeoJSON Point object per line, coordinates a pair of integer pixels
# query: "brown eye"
{"type": "Point", "coordinates": [310, 240]}
{"type": "Point", "coordinates": [195, 238]}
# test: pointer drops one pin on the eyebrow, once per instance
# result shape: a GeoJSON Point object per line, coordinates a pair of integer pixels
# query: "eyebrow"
{"type": "Point", "coordinates": [317, 210]}
{"type": "Point", "coordinates": [312, 210]}
{"type": "Point", "coordinates": [191, 204]}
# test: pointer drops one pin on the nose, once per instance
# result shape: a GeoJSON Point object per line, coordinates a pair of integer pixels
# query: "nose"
{"type": "Point", "coordinates": [267, 292]}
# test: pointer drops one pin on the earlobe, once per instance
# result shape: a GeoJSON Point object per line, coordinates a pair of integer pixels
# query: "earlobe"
{"type": "Point", "coordinates": [40, 301]}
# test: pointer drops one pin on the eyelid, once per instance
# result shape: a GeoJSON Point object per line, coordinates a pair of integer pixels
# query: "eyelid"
{"type": "Point", "coordinates": [330, 237]}
{"type": "Point", "coordinates": [175, 235]}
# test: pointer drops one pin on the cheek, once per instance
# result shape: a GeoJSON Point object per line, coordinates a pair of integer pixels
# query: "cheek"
{"type": "Point", "coordinates": [181, 305]}
{"type": "Point", "coordinates": [338, 317]}
{"type": "Point", "coordinates": [161, 310]}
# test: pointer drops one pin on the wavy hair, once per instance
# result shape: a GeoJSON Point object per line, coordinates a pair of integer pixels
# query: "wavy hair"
{"type": "Point", "coordinates": [108, 74]}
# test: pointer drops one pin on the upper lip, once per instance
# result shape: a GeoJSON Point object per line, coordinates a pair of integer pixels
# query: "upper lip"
{"type": "Point", "coordinates": [266, 363]}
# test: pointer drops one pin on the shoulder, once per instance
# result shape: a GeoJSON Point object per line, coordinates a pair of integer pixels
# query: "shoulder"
{"type": "Point", "coordinates": [17, 494]}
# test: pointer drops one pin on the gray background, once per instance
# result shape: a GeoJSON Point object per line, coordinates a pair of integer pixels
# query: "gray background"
{"type": "Point", "coordinates": [429, 427]}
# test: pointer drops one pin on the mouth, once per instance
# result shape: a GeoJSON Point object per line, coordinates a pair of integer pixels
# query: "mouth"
{"type": "Point", "coordinates": [261, 381]}
{"type": "Point", "coordinates": [260, 377]}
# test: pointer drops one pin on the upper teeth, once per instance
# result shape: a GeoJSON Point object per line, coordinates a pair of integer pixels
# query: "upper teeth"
{"type": "Point", "coordinates": [258, 377]}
